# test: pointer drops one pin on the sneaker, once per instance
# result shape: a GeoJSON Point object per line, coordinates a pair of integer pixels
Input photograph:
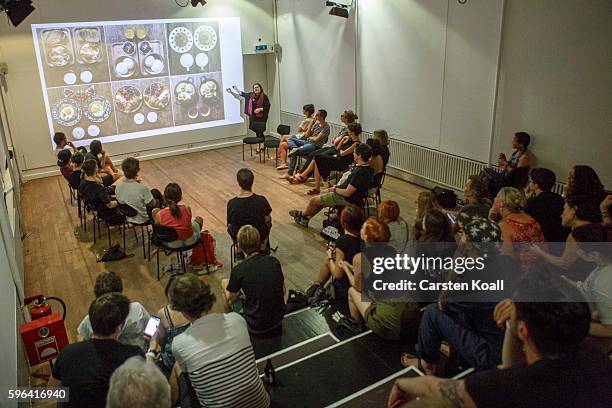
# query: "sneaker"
{"type": "Point", "coordinates": [303, 221]}
{"type": "Point", "coordinates": [352, 325]}
{"type": "Point", "coordinates": [311, 290]}
{"type": "Point", "coordinates": [295, 213]}
{"type": "Point", "coordinates": [318, 296]}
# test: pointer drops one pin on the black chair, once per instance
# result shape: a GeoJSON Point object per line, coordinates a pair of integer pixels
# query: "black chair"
{"type": "Point", "coordinates": [113, 221]}
{"type": "Point", "coordinates": [163, 235]}
{"type": "Point", "coordinates": [374, 192]}
{"type": "Point", "coordinates": [129, 211]}
{"type": "Point", "coordinates": [272, 142]}
{"type": "Point", "coordinates": [259, 128]}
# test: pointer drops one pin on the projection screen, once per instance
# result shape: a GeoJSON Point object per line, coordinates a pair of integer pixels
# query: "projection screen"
{"type": "Point", "coordinates": [120, 80]}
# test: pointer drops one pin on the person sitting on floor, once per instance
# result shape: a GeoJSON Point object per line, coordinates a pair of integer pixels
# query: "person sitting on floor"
{"type": "Point", "coordinates": [583, 180]}
{"type": "Point", "coordinates": [130, 190]}
{"type": "Point", "coordinates": [544, 205]}
{"type": "Point", "coordinates": [305, 125]}
{"type": "Point", "coordinates": [76, 175]}
{"type": "Point", "coordinates": [63, 162]}
{"type": "Point", "coordinates": [138, 383]}
{"type": "Point", "coordinates": [353, 191]}
{"type": "Point", "coordinates": [496, 178]}
{"type": "Point", "coordinates": [324, 163]}
{"type": "Point", "coordinates": [132, 330]}
{"type": "Point", "coordinates": [248, 208]}
{"type": "Point", "coordinates": [552, 371]}
{"type": "Point", "coordinates": [389, 213]}
{"type": "Point", "coordinates": [87, 366]}
{"type": "Point", "coordinates": [392, 320]}
{"type": "Point", "coordinates": [96, 195]}
{"type": "Point", "coordinates": [314, 139]}
{"type": "Point", "coordinates": [216, 350]}
{"type": "Point", "coordinates": [347, 245]}
{"type": "Point", "coordinates": [256, 287]}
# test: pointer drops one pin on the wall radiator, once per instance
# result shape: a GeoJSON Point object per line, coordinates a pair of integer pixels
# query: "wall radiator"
{"type": "Point", "coordinates": [429, 166]}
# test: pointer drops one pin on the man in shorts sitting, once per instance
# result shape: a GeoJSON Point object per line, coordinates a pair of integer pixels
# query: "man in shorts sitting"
{"type": "Point", "coordinates": [352, 191]}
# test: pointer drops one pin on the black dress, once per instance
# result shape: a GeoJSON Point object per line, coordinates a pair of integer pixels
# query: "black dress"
{"type": "Point", "coordinates": [256, 124]}
{"type": "Point", "coordinates": [326, 164]}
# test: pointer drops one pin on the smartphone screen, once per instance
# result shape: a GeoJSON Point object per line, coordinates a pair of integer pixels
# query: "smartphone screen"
{"type": "Point", "coordinates": [451, 217]}
{"type": "Point", "coordinates": [152, 326]}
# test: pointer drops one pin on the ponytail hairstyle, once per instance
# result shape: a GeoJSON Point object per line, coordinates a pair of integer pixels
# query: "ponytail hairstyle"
{"type": "Point", "coordinates": [173, 195]}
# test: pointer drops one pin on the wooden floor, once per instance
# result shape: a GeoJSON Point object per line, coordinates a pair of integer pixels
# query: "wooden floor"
{"type": "Point", "coordinates": [60, 258]}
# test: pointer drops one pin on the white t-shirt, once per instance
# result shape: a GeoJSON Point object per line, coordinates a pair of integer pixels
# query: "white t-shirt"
{"type": "Point", "coordinates": [217, 354]}
{"type": "Point", "coordinates": [132, 331]}
{"type": "Point", "coordinates": [597, 289]}
{"type": "Point", "coordinates": [135, 195]}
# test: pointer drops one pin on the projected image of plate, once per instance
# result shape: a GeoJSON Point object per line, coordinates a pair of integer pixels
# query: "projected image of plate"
{"type": "Point", "coordinates": [180, 40]}
{"type": "Point", "coordinates": [205, 38]}
{"type": "Point", "coordinates": [156, 96]}
{"type": "Point", "coordinates": [67, 112]}
{"type": "Point", "coordinates": [128, 99]}
{"type": "Point", "coordinates": [98, 109]}
{"type": "Point", "coordinates": [59, 56]}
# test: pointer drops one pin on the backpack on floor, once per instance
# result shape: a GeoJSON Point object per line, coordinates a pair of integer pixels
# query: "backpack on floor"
{"type": "Point", "coordinates": [204, 253]}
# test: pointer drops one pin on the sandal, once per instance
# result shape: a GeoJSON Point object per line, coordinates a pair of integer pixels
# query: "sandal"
{"type": "Point", "coordinates": [313, 191]}
{"type": "Point", "coordinates": [295, 213]}
{"type": "Point", "coordinates": [282, 167]}
{"type": "Point", "coordinates": [296, 180]}
{"type": "Point", "coordinates": [407, 360]}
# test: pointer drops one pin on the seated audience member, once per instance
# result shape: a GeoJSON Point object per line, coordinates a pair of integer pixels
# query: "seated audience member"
{"type": "Point", "coordinates": [105, 164]}
{"type": "Point", "coordinates": [521, 157]}
{"type": "Point", "coordinates": [129, 190]}
{"type": "Point", "coordinates": [459, 319]}
{"type": "Point", "coordinates": [353, 191]}
{"type": "Point", "coordinates": [322, 165]}
{"type": "Point", "coordinates": [63, 162]}
{"type": "Point", "coordinates": [312, 140]}
{"type": "Point", "coordinates": [94, 193]}
{"type": "Point", "coordinates": [86, 367]}
{"type": "Point", "coordinates": [583, 180]}
{"type": "Point", "coordinates": [606, 210]}
{"type": "Point", "coordinates": [578, 210]}
{"type": "Point", "coordinates": [347, 245]}
{"type": "Point", "coordinates": [425, 201]}
{"type": "Point", "coordinates": [304, 127]}
{"type": "Point", "coordinates": [256, 285]}
{"type": "Point", "coordinates": [383, 137]}
{"type": "Point", "coordinates": [389, 213]}
{"type": "Point", "coordinates": [132, 330]}
{"type": "Point", "coordinates": [332, 148]}
{"type": "Point", "coordinates": [555, 372]}
{"type": "Point", "coordinates": [138, 383]}
{"type": "Point", "coordinates": [248, 208]}
{"type": "Point", "coordinates": [544, 205]}
{"type": "Point", "coordinates": [594, 243]}
{"type": "Point", "coordinates": [76, 175]}
{"type": "Point", "coordinates": [518, 228]}
{"type": "Point", "coordinates": [377, 162]}
{"type": "Point", "coordinates": [476, 202]}
{"type": "Point", "coordinates": [62, 143]}
{"type": "Point", "coordinates": [215, 351]}
{"type": "Point", "coordinates": [436, 240]}
{"type": "Point", "coordinates": [390, 319]}
{"type": "Point", "coordinates": [172, 323]}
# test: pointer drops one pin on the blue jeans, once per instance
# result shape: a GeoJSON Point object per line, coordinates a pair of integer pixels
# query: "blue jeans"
{"type": "Point", "coordinates": [303, 151]}
{"type": "Point", "coordinates": [437, 326]}
{"type": "Point", "coordinates": [294, 142]}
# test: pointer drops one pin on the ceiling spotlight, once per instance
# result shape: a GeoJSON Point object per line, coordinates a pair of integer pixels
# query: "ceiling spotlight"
{"type": "Point", "coordinates": [16, 10]}
{"type": "Point", "coordinates": [195, 3]}
{"type": "Point", "coordinates": [340, 10]}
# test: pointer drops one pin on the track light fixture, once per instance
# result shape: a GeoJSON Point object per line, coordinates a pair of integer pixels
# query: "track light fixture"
{"type": "Point", "coordinates": [194, 3]}
{"type": "Point", "coordinates": [16, 10]}
{"type": "Point", "coordinates": [340, 10]}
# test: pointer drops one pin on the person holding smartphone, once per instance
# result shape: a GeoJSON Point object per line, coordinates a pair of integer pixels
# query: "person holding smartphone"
{"type": "Point", "coordinates": [256, 107]}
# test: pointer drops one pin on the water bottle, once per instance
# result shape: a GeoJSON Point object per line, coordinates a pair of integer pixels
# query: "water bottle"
{"type": "Point", "coordinates": [269, 376]}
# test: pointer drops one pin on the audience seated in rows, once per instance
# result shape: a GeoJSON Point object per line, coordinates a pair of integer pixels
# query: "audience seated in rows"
{"type": "Point", "coordinates": [64, 164]}
{"type": "Point", "coordinates": [216, 350]}
{"type": "Point", "coordinates": [425, 201]}
{"type": "Point", "coordinates": [518, 228]}
{"type": "Point", "coordinates": [76, 175]}
{"type": "Point", "coordinates": [476, 203]}
{"type": "Point", "coordinates": [248, 208]}
{"type": "Point", "coordinates": [436, 240]}
{"type": "Point", "coordinates": [106, 168]}
{"type": "Point", "coordinates": [138, 383]}
{"type": "Point", "coordinates": [172, 323]}
{"type": "Point", "coordinates": [312, 140]}
{"type": "Point", "coordinates": [256, 287]}
{"type": "Point", "coordinates": [132, 330]}
{"type": "Point", "coordinates": [389, 213]}
{"type": "Point", "coordinates": [95, 194]}
{"type": "Point", "coordinates": [583, 180]}
{"type": "Point", "coordinates": [391, 320]}
{"type": "Point", "coordinates": [131, 191]}
{"type": "Point", "coordinates": [551, 370]}
{"type": "Point", "coordinates": [308, 110]}
{"type": "Point", "coordinates": [86, 367]}
{"type": "Point", "coordinates": [329, 160]}
{"type": "Point", "coordinates": [344, 250]}
{"type": "Point", "coordinates": [545, 206]}
{"type": "Point", "coordinates": [383, 137]}
{"type": "Point", "coordinates": [353, 191]}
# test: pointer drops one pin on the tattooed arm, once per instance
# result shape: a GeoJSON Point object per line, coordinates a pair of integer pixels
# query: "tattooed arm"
{"type": "Point", "coordinates": [446, 393]}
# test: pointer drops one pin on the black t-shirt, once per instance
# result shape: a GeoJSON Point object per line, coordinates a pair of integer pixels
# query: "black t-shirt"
{"type": "Point", "coordinates": [260, 278]}
{"type": "Point", "coordinates": [361, 178]}
{"type": "Point", "coordinates": [97, 196]}
{"type": "Point", "coordinates": [75, 179]}
{"type": "Point", "coordinates": [248, 211]}
{"type": "Point", "coordinates": [546, 208]}
{"type": "Point", "coordinates": [86, 367]}
{"type": "Point", "coordinates": [350, 245]}
{"type": "Point", "coordinates": [385, 153]}
{"type": "Point", "coordinates": [583, 381]}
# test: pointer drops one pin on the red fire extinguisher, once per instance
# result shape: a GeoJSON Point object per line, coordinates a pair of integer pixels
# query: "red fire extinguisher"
{"type": "Point", "coordinates": [45, 335]}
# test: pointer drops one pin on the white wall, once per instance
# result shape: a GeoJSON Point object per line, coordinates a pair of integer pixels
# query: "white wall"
{"type": "Point", "coordinates": [26, 112]}
{"type": "Point", "coordinates": [556, 82]}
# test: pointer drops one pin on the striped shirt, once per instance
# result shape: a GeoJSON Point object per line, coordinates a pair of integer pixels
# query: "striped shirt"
{"type": "Point", "coordinates": [217, 354]}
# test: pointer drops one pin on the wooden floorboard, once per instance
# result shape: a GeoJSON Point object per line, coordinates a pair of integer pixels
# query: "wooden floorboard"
{"type": "Point", "coordinates": [60, 258]}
